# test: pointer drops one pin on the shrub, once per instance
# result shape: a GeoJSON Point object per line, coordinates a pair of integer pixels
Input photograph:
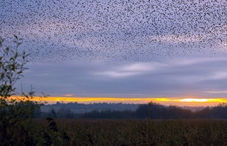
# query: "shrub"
{"type": "Point", "coordinates": [16, 115]}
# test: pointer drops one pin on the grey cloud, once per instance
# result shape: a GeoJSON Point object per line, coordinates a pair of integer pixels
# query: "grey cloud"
{"type": "Point", "coordinates": [130, 70]}
{"type": "Point", "coordinates": [168, 78]}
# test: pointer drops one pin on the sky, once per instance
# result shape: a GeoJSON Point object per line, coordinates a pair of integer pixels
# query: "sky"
{"type": "Point", "coordinates": [101, 48]}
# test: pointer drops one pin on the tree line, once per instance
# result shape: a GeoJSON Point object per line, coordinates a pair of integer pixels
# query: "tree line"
{"type": "Point", "coordinates": [151, 111]}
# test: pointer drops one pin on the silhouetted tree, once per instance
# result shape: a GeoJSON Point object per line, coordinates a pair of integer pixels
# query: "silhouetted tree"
{"type": "Point", "coordinates": [16, 125]}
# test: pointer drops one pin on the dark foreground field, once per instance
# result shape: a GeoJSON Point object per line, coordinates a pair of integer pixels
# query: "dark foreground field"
{"type": "Point", "coordinates": [145, 132]}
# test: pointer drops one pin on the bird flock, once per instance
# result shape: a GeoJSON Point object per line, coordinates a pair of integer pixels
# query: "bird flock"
{"type": "Point", "coordinates": [116, 30]}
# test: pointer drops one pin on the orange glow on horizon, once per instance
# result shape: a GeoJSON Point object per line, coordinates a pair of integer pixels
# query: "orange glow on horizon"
{"type": "Point", "coordinates": [163, 101]}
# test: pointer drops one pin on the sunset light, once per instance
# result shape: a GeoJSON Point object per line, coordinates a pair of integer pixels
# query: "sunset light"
{"type": "Point", "coordinates": [163, 101]}
{"type": "Point", "coordinates": [195, 100]}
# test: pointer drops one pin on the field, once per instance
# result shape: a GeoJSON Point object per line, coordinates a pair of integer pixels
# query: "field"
{"type": "Point", "coordinates": [145, 132]}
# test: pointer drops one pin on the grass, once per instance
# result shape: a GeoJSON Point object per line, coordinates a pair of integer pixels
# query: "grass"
{"type": "Point", "coordinates": [145, 132]}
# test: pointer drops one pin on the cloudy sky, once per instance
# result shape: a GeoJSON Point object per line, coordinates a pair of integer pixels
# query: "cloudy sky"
{"type": "Point", "coordinates": [158, 48]}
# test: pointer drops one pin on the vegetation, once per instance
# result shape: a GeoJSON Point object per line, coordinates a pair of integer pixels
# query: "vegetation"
{"type": "Point", "coordinates": [151, 111]}
{"type": "Point", "coordinates": [144, 132]}
{"type": "Point", "coordinates": [16, 125]}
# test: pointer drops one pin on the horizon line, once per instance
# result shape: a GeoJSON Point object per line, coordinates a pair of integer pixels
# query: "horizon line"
{"type": "Point", "coordinates": [178, 101]}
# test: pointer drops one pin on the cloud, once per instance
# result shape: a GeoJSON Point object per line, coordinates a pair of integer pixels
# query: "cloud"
{"type": "Point", "coordinates": [142, 68]}
{"type": "Point", "coordinates": [117, 74]}
{"type": "Point", "coordinates": [216, 92]}
{"type": "Point", "coordinates": [169, 77]}
{"type": "Point", "coordinates": [130, 70]}
{"type": "Point", "coordinates": [195, 60]}
{"type": "Point", "coordinates": [219, 75]}
{"type": "Point", "coordinates": [68, 95]}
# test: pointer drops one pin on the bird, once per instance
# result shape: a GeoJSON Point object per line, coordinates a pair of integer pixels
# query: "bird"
{"type": "Point", "coordinates": [115, 30]}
